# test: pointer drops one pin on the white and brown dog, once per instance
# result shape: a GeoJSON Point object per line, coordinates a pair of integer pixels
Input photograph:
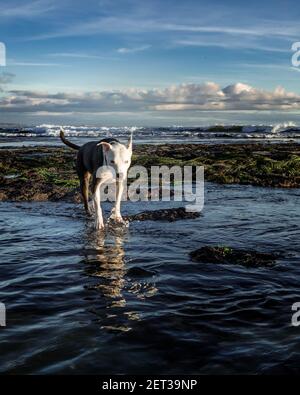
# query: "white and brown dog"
{"type": "Point", "coordinates": [94, 160]}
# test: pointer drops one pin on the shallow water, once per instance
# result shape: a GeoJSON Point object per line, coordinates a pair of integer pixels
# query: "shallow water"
{"type": "Point", "coordinates": [133, 302]}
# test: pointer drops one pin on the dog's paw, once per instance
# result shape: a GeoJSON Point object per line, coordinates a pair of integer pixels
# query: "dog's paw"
{"type": "Point", "coordinates": [121, 222]}
{"type": "Point", "coordinates": [99, 225]}
{"type": "Point", "coordinates": [117, 221]}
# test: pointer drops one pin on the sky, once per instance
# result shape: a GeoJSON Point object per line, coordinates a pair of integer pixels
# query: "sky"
{"type": "Point", "coordinates": [154, 62]}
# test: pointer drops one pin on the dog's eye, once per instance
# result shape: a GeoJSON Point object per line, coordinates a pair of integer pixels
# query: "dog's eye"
{"type": "Point", "coordinates": [126, 161]}
{"type": "Point", "coordinates": [112, 161]}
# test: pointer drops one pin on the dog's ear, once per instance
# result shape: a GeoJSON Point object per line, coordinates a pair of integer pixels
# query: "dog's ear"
{"type": "Point", "coordinates": [129, 145]}
{"type": "Point", "coordinates": [106, 146]}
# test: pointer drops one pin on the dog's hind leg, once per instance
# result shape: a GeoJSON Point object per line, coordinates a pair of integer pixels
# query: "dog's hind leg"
{"type": "Point", "coordinates": [84, 186]}
{"type": "Point", "coordinates": [84, 177]}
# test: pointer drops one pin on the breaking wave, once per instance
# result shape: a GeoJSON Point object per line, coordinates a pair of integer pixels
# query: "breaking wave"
{"type": "Point", "coordinates": [279, 131]}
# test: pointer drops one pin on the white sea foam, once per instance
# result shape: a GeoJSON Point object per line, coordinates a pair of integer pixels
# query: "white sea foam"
{"type": "Point", "coordinates": [281, 127]}
{"type": "Point", "coordinates": [278, 131]}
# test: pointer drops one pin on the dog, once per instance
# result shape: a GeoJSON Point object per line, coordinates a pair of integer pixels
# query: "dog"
{"type": "Point", "coordinates": [105, 161]}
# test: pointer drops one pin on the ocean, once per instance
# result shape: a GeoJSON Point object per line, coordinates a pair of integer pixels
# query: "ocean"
{"type": "Point", "coordinates": [48, 134]}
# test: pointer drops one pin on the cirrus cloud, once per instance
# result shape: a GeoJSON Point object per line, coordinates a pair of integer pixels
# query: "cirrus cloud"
{"type": "Point", "coordinates": [125, 50]}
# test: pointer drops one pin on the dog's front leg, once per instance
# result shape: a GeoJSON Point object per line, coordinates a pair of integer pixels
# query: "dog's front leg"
{"type": "Point", "coordinates": [117, 208]}
{"type": "Point", "coordinates": [99, 224]}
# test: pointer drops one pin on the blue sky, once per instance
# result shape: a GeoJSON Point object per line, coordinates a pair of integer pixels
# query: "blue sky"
{"type": "Point", "coordinates": [149, 62]}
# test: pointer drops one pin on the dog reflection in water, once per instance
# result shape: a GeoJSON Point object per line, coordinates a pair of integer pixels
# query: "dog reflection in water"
{"type": "Point", "coordinates": [105, 262]}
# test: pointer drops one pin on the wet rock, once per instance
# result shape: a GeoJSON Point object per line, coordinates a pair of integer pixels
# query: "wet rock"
{"type": "Point", "coordinates": [228, 255]}
{"type": "Point", "coordinates": [40, 197]}
{"type": "Point", "coordinates": [3, 196]}
{"type": "Point", "coordinates": [170, 215]}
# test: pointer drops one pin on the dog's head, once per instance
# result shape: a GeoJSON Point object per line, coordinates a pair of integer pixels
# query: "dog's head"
{"type": "Point", "coordinates": [118, 156]}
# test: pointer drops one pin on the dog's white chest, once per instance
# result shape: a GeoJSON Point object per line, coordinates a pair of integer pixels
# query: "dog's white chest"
{"type": "Point", "coordinates": [106, 173]}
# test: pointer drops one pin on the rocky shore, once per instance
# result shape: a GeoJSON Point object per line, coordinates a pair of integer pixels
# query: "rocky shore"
{"type": "Point", "coordinates": [48, 173]}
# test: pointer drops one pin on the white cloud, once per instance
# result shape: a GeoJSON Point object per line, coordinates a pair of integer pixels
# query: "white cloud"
{"type": "Point", "coordinates": [125, 50]}
{"type": "Point", "coordinates": [208, 96]}
{"type": "Point", "coordinates": [232, 42]}
{"type": "Point", "coordinates": [28, 9]}
{"type": "Point", "coordinates": [197, 22]}
{"type": "Point", "coordinates": [32, 64]}
{"type": "Point", "coordinates": [77, 55]}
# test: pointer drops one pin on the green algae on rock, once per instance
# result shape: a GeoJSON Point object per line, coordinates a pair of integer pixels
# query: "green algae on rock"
{"type": "Point", "coordinates": [48, 173]}
{"type": "Point", "coordinates": [170, 215]}
{"type": "Point", "coordinates": [232, 256]}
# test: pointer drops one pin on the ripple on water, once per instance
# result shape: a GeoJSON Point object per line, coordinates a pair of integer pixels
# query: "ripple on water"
{"type": "Point", "coordinates": [131, 301]}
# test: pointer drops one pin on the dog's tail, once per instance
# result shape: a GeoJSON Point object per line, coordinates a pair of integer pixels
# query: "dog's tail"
{"type": "Point", "coordinates": [65, 141]}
